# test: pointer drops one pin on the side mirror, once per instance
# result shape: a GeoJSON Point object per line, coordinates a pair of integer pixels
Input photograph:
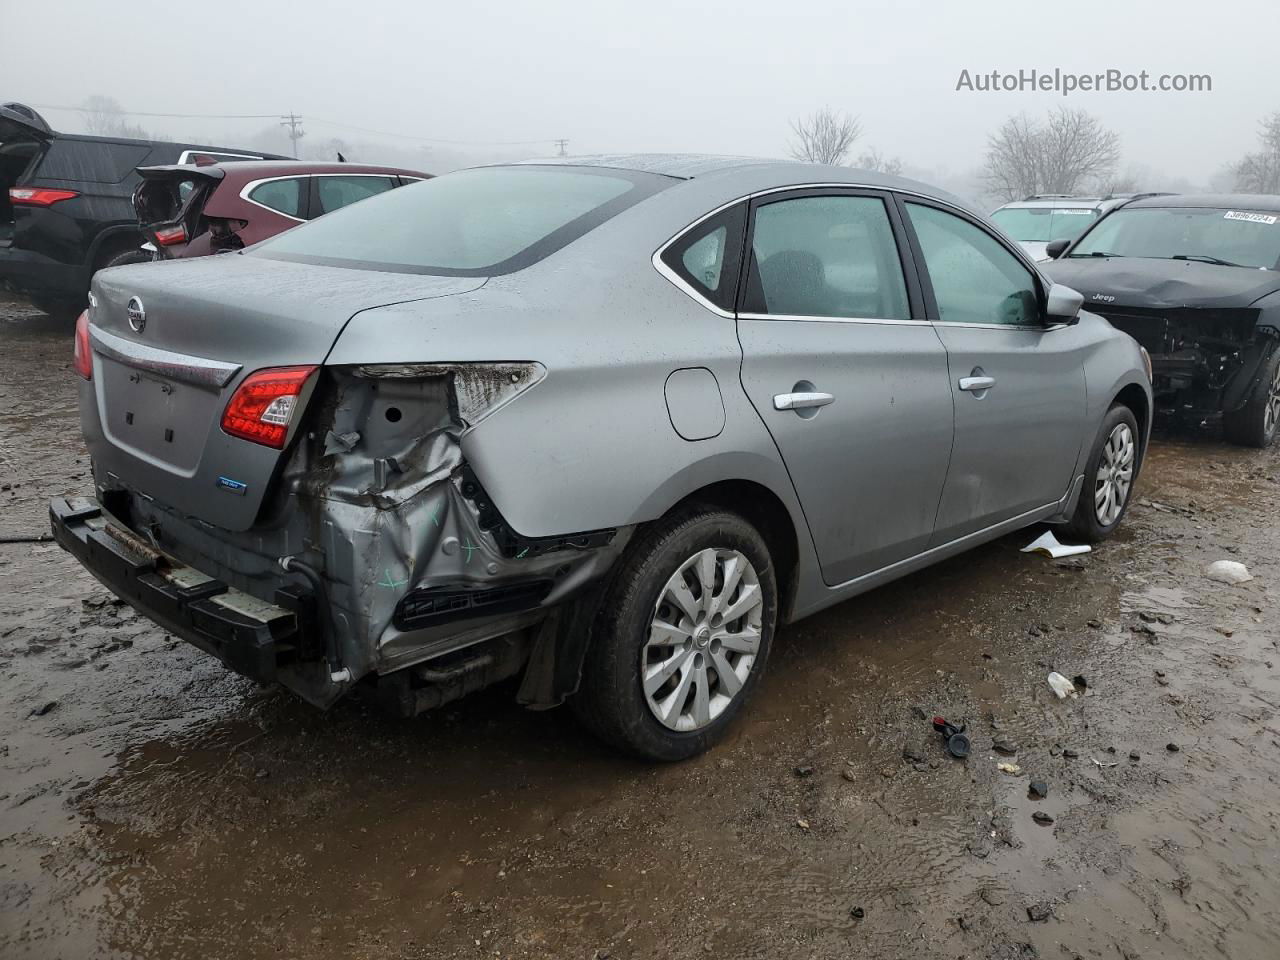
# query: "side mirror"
{"type": "Point", "coordinates": [1063, 305]}
{"type": "Point", "coordinates": [1056, 248]}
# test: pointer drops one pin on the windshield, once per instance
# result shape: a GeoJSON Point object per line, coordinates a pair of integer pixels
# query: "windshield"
{"type": "Point", "coordinates": [1043, 224]}
{"type": "Point", "coordinates": [1237, 237]}
{"type": "Point", "coordinates": [480, 222]}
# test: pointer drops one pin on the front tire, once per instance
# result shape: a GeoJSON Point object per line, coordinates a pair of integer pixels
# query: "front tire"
{"type": "Point", "coordinates": [681, 637]}
{"type": "Point", "coordinates": [1109, 477]}
{"type": "Point", "coordinates": [1256, 423]}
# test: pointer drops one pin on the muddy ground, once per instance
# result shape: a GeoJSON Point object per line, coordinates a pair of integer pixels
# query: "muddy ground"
{"type": "Point", "coordinates": [152, 805]}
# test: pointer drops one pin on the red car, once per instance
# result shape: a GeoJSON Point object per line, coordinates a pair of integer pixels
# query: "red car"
{"type": "Point", "coordinates": [191, 210]}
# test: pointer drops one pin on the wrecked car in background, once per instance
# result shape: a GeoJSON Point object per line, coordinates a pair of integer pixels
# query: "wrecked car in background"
{"type": "Point", "coordinates": [186, 210]}
{"type": "Point", "coordinates": [599, 425]}
{"type": "Point", "coordinates": [65, 208]}
{"type": "Point", "coordinates": [1195, 280]}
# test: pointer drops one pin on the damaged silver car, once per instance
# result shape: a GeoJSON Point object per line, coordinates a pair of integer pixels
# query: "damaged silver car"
{"type": "Point", "coordinates": [600, 426]}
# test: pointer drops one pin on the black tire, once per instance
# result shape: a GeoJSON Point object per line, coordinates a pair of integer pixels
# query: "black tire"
{"type": "Point", "coordinates": [611, 701]}
{"type": "Point", "coordinates": [136, 255]}
{"type": "Point", "coordinates": [1086, 524]}
{"type": "Point", "coordinates": [1252, 425]}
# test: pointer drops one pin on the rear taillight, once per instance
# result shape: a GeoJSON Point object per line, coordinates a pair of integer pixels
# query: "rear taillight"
{"type": "Point", "coordinates": [263, 406]}
{"type": "Point", "coordinates": [83, 358]}
{"type": "Point", "coordinates": [39, 196]}
{"type": "Point", "coordinates": [168, 236]}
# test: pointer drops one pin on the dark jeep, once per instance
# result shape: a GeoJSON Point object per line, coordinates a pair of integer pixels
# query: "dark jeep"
{"type": "Point", "coordinates": [1195, 280]}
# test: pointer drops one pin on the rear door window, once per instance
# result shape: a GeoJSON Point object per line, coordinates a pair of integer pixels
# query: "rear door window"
{"type": "Point", "coordinates": [283, 196]}
{"type": "Point", "coordinates": [829, 256]}
{"type": "Point", "coordinates": [333, 193]}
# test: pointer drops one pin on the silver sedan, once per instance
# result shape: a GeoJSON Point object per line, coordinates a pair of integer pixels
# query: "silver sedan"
{"type": "Point", "coordinates": [599, 425]}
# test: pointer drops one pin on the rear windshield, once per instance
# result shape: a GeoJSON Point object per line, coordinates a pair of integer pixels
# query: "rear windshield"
{"type": "Point", "coordinates": [480, 222]}
{"type": "Point", "coordinates": [1236, 237]}
{"type": "Point", "coordinates": [1043, 224]}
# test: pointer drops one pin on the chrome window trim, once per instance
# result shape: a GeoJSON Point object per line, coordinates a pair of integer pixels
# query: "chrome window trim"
{"type": "Point", "coordinates": [254, 184]}
{"type": "Point", "coordinates": [684, 287]}
{"type": "Point", "coordinates": [886, 321]}
{"type": "Point", "coordinates": [165, 363]}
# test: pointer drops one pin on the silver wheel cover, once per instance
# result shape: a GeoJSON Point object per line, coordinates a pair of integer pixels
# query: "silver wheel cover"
{"type": "Point", "coordinates": [1271, 414]}
{"type": "Point", "coordinates": [1114, 479]}
{"type": "Point", "coordinates": [703, 639]}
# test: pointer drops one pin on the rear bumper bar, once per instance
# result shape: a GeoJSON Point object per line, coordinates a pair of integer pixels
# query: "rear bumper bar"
{"type": "Point", "coordinates": [250, 636]}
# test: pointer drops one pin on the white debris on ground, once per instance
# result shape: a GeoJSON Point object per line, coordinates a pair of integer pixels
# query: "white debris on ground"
{"type": "Point", "coordinates": [1048, 544]}
{"type": "Point", "coordinates": [1228, 571]}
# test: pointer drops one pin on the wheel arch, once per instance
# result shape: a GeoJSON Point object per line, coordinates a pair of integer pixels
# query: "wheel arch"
{"type": "Point", "coordinates": [1135, 398]}
{"type": "Point", "coordinates": [765, 511]}
{"type": "Point", "coordinates": [112, 240]}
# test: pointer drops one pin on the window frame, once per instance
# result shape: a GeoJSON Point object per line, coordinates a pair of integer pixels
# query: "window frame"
{"type": "Point", "coordinates": [695, 232]}
{"type": "Point", "coordinates": [915, 300]}
{"type": "Point", "coordinates": [304, 195]}
{"type": "Point", "coordinates": [1009, 246]}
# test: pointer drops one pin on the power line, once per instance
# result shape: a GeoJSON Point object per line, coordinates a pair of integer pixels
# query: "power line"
{"type": "Point", "coordinates": [293, 122]}
{"type": "Point", "coordinates": [287, 118]}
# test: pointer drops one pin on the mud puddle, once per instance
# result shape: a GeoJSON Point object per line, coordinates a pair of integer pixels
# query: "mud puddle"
{"type": "Point", "coordinates": [163, 808]}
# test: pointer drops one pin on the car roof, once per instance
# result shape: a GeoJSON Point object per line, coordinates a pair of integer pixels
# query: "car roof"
{"type": "Point", "coordinates": [1057, 203]}
{"type": "Point", "coordinates": [753, 172]}
{"type": "Point", "coordinates": [255, 169]}
{"type": "Point", "coordinates": [1249, 201]}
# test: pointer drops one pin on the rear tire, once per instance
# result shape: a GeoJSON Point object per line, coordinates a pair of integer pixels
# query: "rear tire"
{"type": "Point", "coordinates": [666, 671]}
{"type": "Point", "coordinates": [125, 257]}
{"type": "Point", "coordinates": [1109, 477]}
{"type": "Point", "coordinates": [1256, 423]}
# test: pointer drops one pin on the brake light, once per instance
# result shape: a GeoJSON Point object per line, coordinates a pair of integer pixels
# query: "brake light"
{"type": "Point", "coordinates": [39, 196]}
{"type": "Point", "coordinates": [168, 236]}
{"type": "Point", "coordinates": [83, 358]}
{"type": "Point", "coordinates": [262, 407]}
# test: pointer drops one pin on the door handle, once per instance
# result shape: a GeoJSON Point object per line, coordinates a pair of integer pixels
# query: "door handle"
{"type": "Point", "coordinates": [977, 384]}
{"type": "Point", "coordinates": [801, 401]}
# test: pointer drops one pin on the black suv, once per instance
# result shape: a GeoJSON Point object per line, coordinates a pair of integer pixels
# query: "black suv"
{"type": "Point", "coordinates": [66, 204]}
{"type": "Point", "coordinates": [1195, 280]}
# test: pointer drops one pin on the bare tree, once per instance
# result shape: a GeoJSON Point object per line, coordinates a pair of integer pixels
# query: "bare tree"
{"type": "Point", "coordinates": [873, 159]}
{"type": "Point", "coordinates": [824, 136]}
{"type": "Point", "coordinates": [1066, 152]}
{"type": "Point", "coordinates": [104, 117]}
{"type": "Point", "coordinates": [1260, 172]}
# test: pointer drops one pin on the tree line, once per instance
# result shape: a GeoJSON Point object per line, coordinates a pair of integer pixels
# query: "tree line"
{"type": "Point", "coordinates": [1065, 151]}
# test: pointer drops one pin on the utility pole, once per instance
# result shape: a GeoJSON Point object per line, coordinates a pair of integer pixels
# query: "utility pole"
{"type": "Point", "coordinates": [562, 144]}
{"type": "Point", "coordinates": [293, 122]}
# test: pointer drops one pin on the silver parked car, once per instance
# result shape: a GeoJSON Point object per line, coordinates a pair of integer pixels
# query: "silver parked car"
{"type": "Point", "coordinates": [599, 425]}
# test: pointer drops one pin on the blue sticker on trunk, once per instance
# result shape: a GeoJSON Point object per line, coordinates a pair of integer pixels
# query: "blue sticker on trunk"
{"type": "Point", "coordinates": [232, 486]}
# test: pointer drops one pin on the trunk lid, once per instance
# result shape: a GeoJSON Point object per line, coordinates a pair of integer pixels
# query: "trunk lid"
{"type": "Point", "coordinates": [164, 371]}
{"type": "Point", "coordinates": [173, 197]}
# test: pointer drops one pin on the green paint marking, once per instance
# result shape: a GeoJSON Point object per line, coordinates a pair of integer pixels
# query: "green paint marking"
{"type": "Point", "coordinates": [470, 548]}
{"type": "Point", "coordinates": [435, 515]}
{"type": "Point", "coordinates": [522, 553]}
{"type": "Point", "coordinates": [391, 582]}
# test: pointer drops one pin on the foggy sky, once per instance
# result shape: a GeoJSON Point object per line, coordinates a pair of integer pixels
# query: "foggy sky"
{"type": "Point", "coordinates": [697, 75]}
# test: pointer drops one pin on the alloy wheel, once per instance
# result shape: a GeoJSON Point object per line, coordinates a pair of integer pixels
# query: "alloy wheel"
{"type": "Point", "coordinates": [1115, 475]}
{"type": "Point", "coordinates": [703, 639]}
{"type": "Point", "coordinates": [1271, 413]}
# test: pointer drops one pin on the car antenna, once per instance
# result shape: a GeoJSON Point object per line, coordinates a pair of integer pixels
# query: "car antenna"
{"type": "Point", "coordinates": [341, 158]}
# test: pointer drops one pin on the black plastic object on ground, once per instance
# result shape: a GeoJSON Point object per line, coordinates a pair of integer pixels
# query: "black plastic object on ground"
{"type": "Point", "coordinates": [954, 737]}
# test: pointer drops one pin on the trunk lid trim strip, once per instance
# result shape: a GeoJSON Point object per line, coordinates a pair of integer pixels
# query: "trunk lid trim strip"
{"type": "Point", "coordinates": [166, 363]}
